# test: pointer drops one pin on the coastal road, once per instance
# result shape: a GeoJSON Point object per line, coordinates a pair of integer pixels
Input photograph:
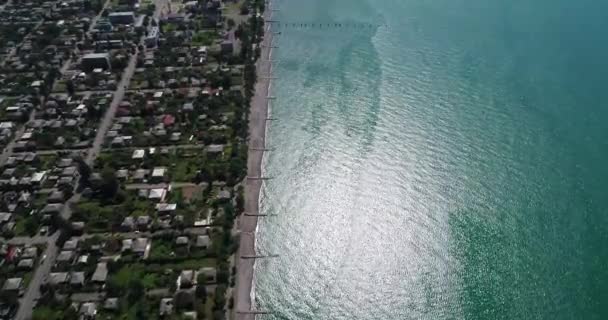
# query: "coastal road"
{"type": "Point", "coordinates": [257, 141]}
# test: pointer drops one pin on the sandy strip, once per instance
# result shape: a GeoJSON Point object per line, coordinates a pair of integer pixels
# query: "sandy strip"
{"type": "Point", "coordinates": [247, 224]}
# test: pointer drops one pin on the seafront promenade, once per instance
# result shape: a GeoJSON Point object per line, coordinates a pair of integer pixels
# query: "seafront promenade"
{"type": "Point", "coordinates": [257, 137]}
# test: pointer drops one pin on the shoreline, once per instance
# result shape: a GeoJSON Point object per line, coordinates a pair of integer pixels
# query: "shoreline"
{"type": "Point", "coordinates": [247, 225]}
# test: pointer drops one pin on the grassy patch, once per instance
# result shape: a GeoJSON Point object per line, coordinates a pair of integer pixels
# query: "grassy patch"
{"type": "Point", "coordinates": [160, 250]}
{"type": "Point", "coordinates": [204, 38]}
{"type": "Point", "coordinates": [47, 313]}
{"type": "Point", "coordinates": [150, 281]}
{"type": "Point", "coordinates": [183, 165]}
{"type": "Point", "coordinates": [26, 225]}
{"type": "Point", "coordinates": [27, 278]}
{"type": "Point", "coordinates": [47, 161]}
{"type": "Point", "coordinates": [128, 272]}
{"type": "Point", "coordinates": [192, 264]}
{"type": "Point", "coordinates": [169, 27]}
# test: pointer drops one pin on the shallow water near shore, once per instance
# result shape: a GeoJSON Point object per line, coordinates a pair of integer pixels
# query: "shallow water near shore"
{"type": "Point", "coordinates": [450, 163]}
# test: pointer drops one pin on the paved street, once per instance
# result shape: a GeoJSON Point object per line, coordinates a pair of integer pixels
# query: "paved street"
{"type": "Point", "coordinates": [106, 122]}
{"type": "Point", "coordinates": [33, 290]}
{"type": "Point", "coordinates": [32, 293]}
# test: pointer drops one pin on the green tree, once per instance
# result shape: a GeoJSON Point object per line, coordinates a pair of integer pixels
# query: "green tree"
{"type": "Point", "coordinates": [70, 314]}
{"type": "Point", "coordinates": [136, 291]}
{"type": "Point", "coordinates": [219, 301]}
{"type": "Point", "coordinates": [201, 290]}
{"type": "Point", "coordinates": [84, 170]}
{"type": "Point", "coordinates": [65, 228]}
{"type": "Point", "coordinates": [240, 200]}
{"type": "Point", "coordinates": [223, 275]}
{"type": "Point", "coordinates": [110, 185]}
{"type": "Point", "coordinates": [245, 8]}
{"type": "Point", "coordinates": [230, 23]}
{"type": "Point", "coordinates": [219, 315]}
{"type": "Point", "coordinates": [31, 225]}
{"type": "Point", "coordinates": [140, 313]}
{"type": "Point", "coordinates": [70, 87]}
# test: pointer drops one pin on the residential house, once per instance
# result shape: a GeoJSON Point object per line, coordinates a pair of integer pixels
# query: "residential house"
{"type": "Point", "coordinates": [77, 279]}
{"type": "Point", "coordinates": [87, 311]}
{"type": "Point", "coordinates": [143, 222]}
{"type": "Point", "coordinates": [140, 246]}
{"type": "Point", "coordinates": [58, 279]}
{"type": "Point", "coordinates": [127, 17]}
{"type": "Point", "coordinates": [202, 242]}
{"type": "Point", "coordinates": [26, 264]}
{"type": "Point", "coordinates": [30, 252]}
{"type": "Point", "coordinates": [166, 307]}
{"type": "Point", "coordinates": [52, 209]}
{"type": "Point", "coordinates": [12, 286]}
{"type": "Point", "coordinates": [186, 279]}
{"type": "Point", "coordinates": [210, 274]}
{"type": "Point", "coordinates": [166, 208]}
{"type": "Point", "coordinates": [128, 224]}
{"type": "Point", "coordinates": [140, 175]}
{"type": "Point", "coordinates": [92, 61]}
{"type": "Point", "coordinates": [65, 258]}
{"type": "Point", "coordinates": [71, 244]}
{"type": "Point", "coordinates": [111, 304]}
{"type": "Point", "coordinates": [100, 274]}
{"type": "Point", "coordinates": [157, 194]}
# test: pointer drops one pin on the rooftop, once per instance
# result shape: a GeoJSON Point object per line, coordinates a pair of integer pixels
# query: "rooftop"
{"type": "Point", "coordinates": [101, 272]}
{"type": "Point", "coordinates": [12, 284]}
{"type": "Point", "coordinates": [56, 278]}
{"type": "Point", "coordinates": [96, 55]}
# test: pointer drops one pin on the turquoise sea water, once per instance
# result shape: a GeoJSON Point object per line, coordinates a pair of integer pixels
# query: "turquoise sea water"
{"type": "Point", "coordinates": [452, 164]}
